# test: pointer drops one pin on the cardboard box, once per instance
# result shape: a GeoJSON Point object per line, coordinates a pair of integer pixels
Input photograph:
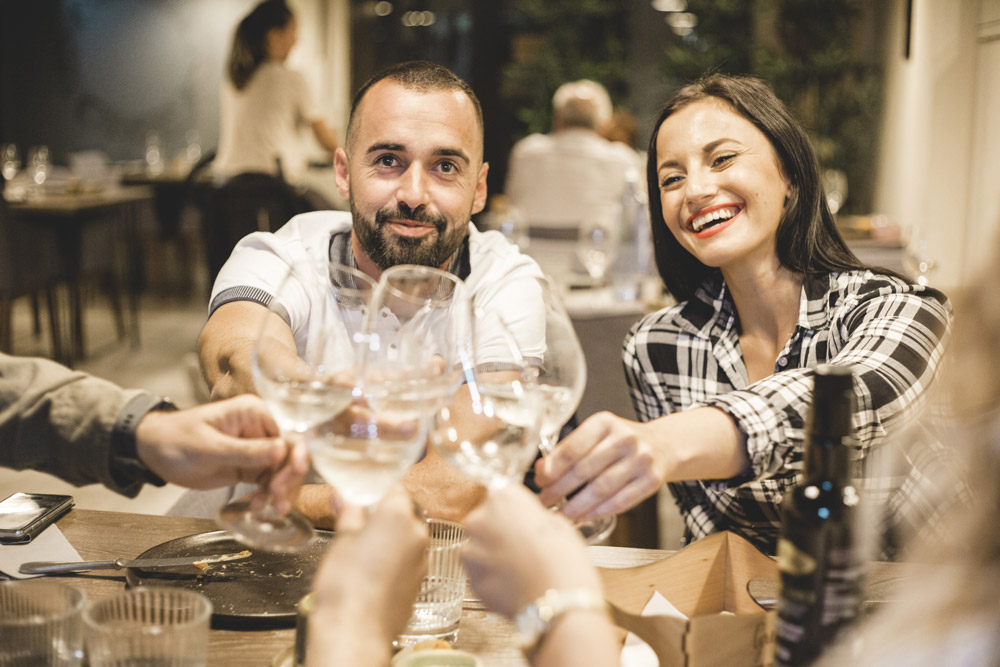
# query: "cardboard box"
{"type": "Point", "coordinates": [702, 580]}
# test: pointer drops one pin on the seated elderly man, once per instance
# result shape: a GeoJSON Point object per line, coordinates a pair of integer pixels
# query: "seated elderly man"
{"type": "Point", "coordinates": [556, 179]}
{"type": "Point", "coordinates": [413, 171]}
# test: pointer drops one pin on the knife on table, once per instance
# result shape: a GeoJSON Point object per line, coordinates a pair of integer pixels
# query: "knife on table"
{"type": "Point", "coordinates": [48, 567]}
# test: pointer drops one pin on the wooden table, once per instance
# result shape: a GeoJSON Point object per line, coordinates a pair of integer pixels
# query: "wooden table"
{"type": "Point", "coordinates": [70, 216]}
{"type": "Point", "coordinates": [99, 535]}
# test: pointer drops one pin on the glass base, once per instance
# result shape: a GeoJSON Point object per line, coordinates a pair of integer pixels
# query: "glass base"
{"type": "Point", "coordinates": [447, 634]}
{"type": "Point", "coordinates": [265, 530]}
{"type": "Point", "coordinates": [597, 530]}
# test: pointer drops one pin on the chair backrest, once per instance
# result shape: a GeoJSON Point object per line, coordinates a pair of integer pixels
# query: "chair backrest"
{"type": "Point", "coordinates": [244, 204]}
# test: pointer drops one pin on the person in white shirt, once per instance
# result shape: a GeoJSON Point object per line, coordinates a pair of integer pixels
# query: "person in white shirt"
{"type": "Point", "coordinates": [555, 180]}
{"type": "Point", "coordinates": [414, 173]}
{"type": "Point", "coordinates": [265, 103]}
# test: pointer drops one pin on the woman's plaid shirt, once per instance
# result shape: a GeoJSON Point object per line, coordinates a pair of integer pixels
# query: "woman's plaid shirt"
{"type": "Point", "coordinates": [891, 332]}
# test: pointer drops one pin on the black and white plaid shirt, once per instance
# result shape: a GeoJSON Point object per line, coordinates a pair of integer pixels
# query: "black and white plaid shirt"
{"type": "Point", "coordinates": [892, 333]}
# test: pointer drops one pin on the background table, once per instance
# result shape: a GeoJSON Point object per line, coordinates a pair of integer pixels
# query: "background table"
{"type": "Point", "coordinates": [97, 232]}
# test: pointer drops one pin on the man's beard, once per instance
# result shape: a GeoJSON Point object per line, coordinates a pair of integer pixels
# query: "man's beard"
{"type": "Point", "coordinates": [386, 248]}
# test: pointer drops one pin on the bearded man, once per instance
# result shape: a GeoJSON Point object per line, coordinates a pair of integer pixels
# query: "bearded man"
{"type": "Point", "coordinates": [413, 171]}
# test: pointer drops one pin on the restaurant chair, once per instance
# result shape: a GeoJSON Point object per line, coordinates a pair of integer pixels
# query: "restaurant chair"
{"type": "Point", "coordinates": [29, 267]}
{"type": "Point", "coordinates": [244, 204]}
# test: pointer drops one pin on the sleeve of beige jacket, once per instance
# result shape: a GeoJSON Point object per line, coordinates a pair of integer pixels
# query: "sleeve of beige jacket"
{"type": "Point", "coordinates": [60, 421]}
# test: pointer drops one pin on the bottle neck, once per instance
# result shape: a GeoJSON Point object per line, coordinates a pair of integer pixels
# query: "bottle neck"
{"type": "Point", "coordinates": [826, 458]}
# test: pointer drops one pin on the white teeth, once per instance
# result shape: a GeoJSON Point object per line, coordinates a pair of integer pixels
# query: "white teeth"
{"type": "Point", "coordinates": [703, 221]}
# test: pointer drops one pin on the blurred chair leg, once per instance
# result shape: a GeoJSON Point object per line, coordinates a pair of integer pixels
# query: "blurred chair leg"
{"type": "Point", "coordinates": [6, 305]}
{"type": "Point", "coordinates": [36, 315]}
{"type": "Point", "coordinates": [55, 328]}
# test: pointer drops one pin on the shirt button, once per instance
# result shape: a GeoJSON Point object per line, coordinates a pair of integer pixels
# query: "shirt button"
{"type": "Point", "coordinates": [782, 362]}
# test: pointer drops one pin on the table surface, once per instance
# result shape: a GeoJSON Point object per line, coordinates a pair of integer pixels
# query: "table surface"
{"type": "Point", "coordinates": [100, 535]}
{"type": "Point", "coordinates": [63, 204]}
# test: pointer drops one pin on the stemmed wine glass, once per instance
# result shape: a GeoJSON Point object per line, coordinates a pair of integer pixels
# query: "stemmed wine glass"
{"type": "Point", "coordinates": [560, 372]}
{"type": "Point", "coordinates": [599, 236]}
{"type": "Point", "coordinates": [405, 370]}
{"type": "Point", "coordinates": [39, 164]}
{"type": "Point", "coordinates": [304, 382]}
{"type": "Point", "coordinates": [490, 430]}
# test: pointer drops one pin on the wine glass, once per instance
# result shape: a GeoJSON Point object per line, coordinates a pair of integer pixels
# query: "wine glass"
{"type": "Point", "coordinates": [39, 164]}
{"type": "Point", "coordinates": [406, 370]}
{"type": "Point", "coordinates": [560, 372]}
{"type": "Point", "coordinates": [598, 240]}
{"type": "Point", "coordinates": [490, 430]}
{"type": "Point", "coordinates": [10, 161]}
{"type": "Point", "coordinates": [304, 382]}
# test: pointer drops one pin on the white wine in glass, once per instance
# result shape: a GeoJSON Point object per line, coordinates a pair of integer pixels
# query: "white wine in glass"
{"type": "Point", "coordinates": [560, 373]}
{"type": "Point", "coordinates": [302, 387]}
{"type": "Point", "coordinates": [406, 370]}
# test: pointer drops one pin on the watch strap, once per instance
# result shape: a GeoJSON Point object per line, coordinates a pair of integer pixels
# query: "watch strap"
{"type": "Point", "coordinates": [124, 454]}
{"type": "Point", "coordinates": [536, 619]}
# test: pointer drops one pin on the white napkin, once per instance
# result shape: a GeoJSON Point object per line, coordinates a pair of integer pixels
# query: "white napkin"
{"type": "Point", "coordinates": [50, 544]}
{"type": "Point", "coordinates": [635, 652]}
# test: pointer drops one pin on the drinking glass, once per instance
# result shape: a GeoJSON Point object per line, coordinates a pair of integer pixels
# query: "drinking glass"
{"type": "Point", "coordinates": [304, 381]}
{"type": "Point", "coordinates": [490, 430]}
{"type": "Point", "coordinates": [148, 625]}
{"type": "Point", "coordinates": [598, 240]}
{"type": "Point", "coordinates": [154, 154]}
{"type": "Point", "coordinates": [10, 161]}
{"type": "Point", "coordinates": [39, 165]}
{"type": "Point", "coordinates": [438, 607]}
{"type": "Point", "coordinates": [40, 623]}
{"type": "Point", "coordinates": [406, 368]}
{"type": "Point", "coordinates": [560, 373]}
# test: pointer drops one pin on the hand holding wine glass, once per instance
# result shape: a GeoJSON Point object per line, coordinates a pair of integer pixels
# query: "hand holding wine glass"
{"type": "Point", "coordinates": [304, 383]}
{"type": "Point", "coordinates": [560, 372]}
{"type": "Point", "coordinates": [405, 370]}
{"type": "Point", "coordinates": [490, 430]}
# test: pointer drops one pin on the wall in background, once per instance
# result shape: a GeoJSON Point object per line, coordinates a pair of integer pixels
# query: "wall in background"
{"type": "Point", "coordinates": [84, 74]}
{"type": "Point", "coordinates": [939, 165]}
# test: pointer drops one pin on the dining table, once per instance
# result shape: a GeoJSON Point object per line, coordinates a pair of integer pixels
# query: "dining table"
{"type": "Point", "coordinates": [104, 535]}
{"type": "Point", "coordinates": [94, 227]}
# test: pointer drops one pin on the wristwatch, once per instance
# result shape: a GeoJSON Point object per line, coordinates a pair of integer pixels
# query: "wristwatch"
{"type": "Point", "coordinates": [124, 454]}
{"type": "Point", "coordinates": [535, 620]}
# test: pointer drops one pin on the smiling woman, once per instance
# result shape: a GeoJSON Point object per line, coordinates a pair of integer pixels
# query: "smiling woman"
{"type": "Point", "coordinates": [767, 291]}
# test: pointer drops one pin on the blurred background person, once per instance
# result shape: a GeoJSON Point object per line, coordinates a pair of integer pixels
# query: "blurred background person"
{"type": "Point", "coordinates": [557, 181]}
{"type": "Point", "coordinates": [265, 104]}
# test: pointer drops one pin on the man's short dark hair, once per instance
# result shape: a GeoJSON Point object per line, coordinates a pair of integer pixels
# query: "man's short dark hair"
{"type": "Point", "coordinates": [421, 76]}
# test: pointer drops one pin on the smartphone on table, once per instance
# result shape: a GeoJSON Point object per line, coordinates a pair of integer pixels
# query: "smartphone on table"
{"type": "Point", "coordinates": [25, 515]}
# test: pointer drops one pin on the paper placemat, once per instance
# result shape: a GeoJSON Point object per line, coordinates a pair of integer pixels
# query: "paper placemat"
{"type": "Point", "coordinates": [50, 544]}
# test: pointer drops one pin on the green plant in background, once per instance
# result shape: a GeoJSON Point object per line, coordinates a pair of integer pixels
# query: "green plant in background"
{"type": "Point", "coordinates": [820, 58]}
{"type": "Point", "coordinates": [558, 41]}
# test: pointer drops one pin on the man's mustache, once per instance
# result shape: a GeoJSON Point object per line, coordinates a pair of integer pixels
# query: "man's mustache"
{"type": "Point", "coordinates": [406, 213]}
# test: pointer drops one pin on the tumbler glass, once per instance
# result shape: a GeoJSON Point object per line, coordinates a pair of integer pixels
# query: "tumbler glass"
{"type": "Point", "coordinates": [438, 607]}
{"type": "Point", "coordinates": [149, 625]}
{"type": "Point", "coordinates": [40, 623]}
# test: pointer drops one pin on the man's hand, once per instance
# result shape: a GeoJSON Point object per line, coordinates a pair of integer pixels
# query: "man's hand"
{"type": "Point", "coordinates": [222, 443]}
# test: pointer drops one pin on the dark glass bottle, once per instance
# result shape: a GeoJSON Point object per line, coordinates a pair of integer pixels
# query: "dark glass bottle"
{"type": "Point", "coordinates": [817, 555]}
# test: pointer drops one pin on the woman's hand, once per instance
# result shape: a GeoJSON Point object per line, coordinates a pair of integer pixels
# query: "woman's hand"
{"type": "Point", "coordinates": [613, 459]}
{"type": "Point", "coordinates": [620, 462]}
